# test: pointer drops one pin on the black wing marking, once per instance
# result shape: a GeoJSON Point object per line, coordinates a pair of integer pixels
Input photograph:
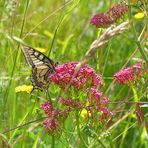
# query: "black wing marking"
{"type": "Point", "coordinates": [40, 77]}
{"type": "Point", "coordinates": [34, 57]}
{"type": "Point", "coordinates": [41, 66]}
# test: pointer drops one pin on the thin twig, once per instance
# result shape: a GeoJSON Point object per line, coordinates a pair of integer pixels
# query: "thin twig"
{"type": "Point", "coordinates": [127, 102]}
{"type": "Point", "coordinates": [25, 124]}
{"type": "Point", "coordinates": [119, 121]}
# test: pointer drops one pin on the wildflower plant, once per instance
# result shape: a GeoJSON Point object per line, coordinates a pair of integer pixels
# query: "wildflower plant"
{"type": "Point", "coordinates": [133, 76]}
{"type": "Point", "coordinates": [85, 82]}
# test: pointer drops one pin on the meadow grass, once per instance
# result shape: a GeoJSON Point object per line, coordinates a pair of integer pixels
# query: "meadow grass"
{"type": "Point", "coordinates": [63, 28]}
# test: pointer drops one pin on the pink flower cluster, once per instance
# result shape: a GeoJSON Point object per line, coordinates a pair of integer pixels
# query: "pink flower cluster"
{"type": "Point", "coordinates": [93, 102]}
{"type": "Point", "coordinates": [98, 103]}
{"type": "Point", "coordinates": [94, 105]}
{"type": "Point", "coordinates": [95, 95]}
{"type": "Point", "coordinates": [111, 16]}
{"type": "Point", "coordinates": [85, 77]}
{"type": "Point", "coordinates": [70, 103]}
{"type": "Point", "coordinates": [51, 123]}
{"type": "Point", "coordinates": [129, 74]}
{"type": "Point", "coordinates": [52, 126]}
{"type": "Point", "coordinates": [101, 20]}
{"type": "Point", "coordinates": [55, 116]}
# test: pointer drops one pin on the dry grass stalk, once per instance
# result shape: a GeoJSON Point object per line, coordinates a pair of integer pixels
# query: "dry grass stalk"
{"type": "Point", "coordinates": [103, 39]}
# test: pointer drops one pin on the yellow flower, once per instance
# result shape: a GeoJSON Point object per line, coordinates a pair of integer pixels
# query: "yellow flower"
{"type": "Point", "coordinates": [27, 88]}
{"type": "Point", "coordinates": [139, 15]}
{"type": "Point", "coordinates": [84, 113]}
{"type": "Point", "coordinates": [40, 49]}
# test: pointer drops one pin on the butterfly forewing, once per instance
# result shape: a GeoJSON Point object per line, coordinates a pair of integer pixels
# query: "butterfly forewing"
{"type": "Point", "coordinates": [41, 66]}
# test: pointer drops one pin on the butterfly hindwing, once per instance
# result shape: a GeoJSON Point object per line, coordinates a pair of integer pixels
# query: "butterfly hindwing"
{"type": "Point", "coordinates": [41, 66]}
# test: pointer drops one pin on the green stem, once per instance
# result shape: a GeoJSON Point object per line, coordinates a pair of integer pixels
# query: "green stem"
{"type": "Point", "coordinates": [140, 48]}
{"type": "Point", "coordinates": [17, 53]}
{"type": "Point", "coordinates": [79, 132]}
{"type": "Point", "coordinates": [54, 36]}
{"type": "Point", "coordinates": [135, 93]}
{"type": "Point", "coordinates": [53, 142]}
{"type": "Point", "coordinates": [106, 59]}
{"type": "Point", "coordinates": [142, 51]}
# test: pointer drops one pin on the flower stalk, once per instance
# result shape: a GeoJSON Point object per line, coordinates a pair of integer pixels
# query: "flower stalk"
{"type": "Point", "coordinates": [134, 93]}
{"type": "Point", "coordinates": [141, 50]}
{"type": "Point", "coordinates": [83, 143]}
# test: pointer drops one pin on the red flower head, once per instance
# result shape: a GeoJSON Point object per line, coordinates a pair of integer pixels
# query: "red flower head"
{"type": "Point", "coordinates": [85, 77]}
{"type": "Point", "coordinates": [47, 107]}
{"type": "Point", "coordinates": [103, 20]}
{"type": "Point", "coordinates": [117, 11]}
{"type": "Point", "coordinates": [95, 95]}
{"type": "Point", "coordinates": [52, 126]}
{"type": "Point", "coordinates": [129, 74]}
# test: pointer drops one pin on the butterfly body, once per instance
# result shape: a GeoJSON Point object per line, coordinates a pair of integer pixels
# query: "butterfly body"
{"type": "Point", "coordinates": [41, 65]}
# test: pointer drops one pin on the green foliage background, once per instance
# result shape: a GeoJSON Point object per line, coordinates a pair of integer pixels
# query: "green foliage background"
{"type": "Point", "coordinates": [63, 28]}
